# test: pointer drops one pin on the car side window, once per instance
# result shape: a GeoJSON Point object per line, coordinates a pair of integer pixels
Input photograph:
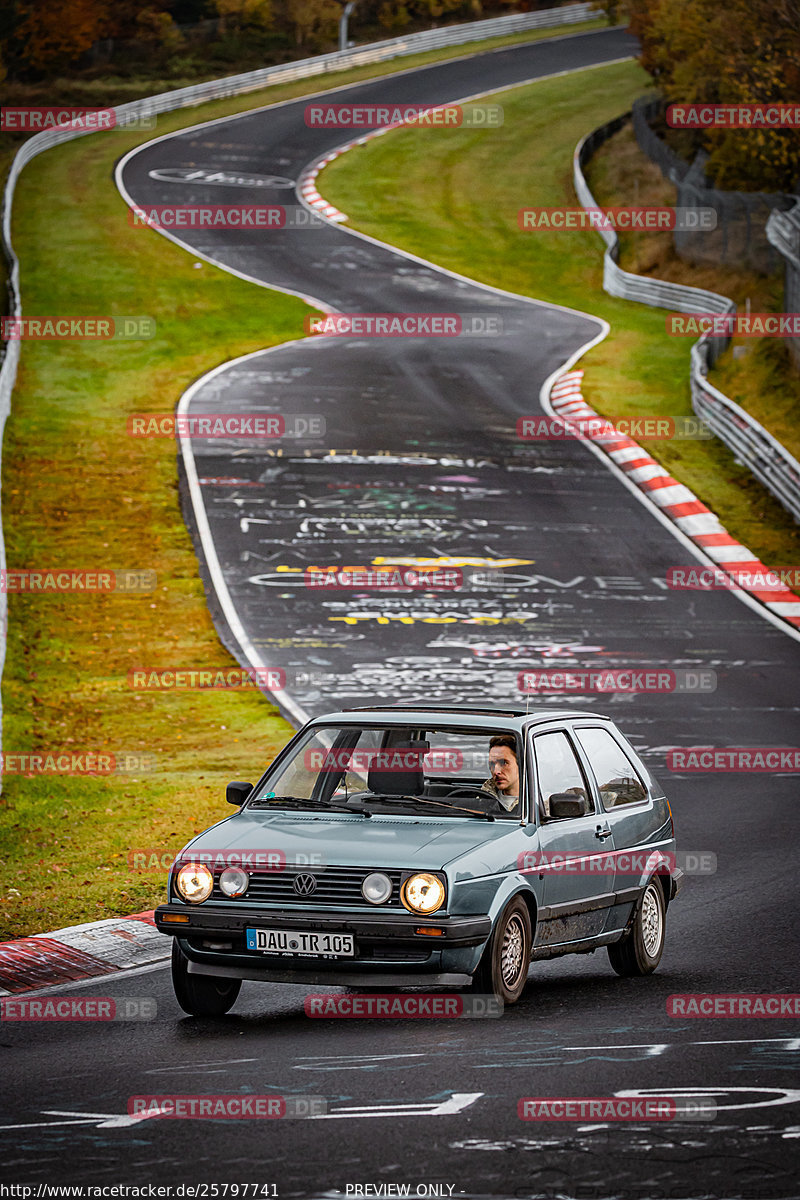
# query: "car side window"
{"type": "Point", "coordinates": [557, 768]}
{"type": "Point", "coordinates": [616, 776]}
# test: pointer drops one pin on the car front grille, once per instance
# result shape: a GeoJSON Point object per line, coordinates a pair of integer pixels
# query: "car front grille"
{"type": "Point", "coordinates": [335, 886]}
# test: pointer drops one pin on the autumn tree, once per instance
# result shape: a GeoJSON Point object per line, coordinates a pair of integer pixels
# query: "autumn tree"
{"type": "Point", "coordinates": [743, 51]}
{"type": "Point", "coordinates": [244, 14]}
{"type": "Point", "coordinates": [314, 22]}
{"type": "Point", "coordinates": [55, 33]}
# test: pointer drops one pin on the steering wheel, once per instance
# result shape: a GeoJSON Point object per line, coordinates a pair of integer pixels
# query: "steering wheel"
{"type": "Point", "coordinates": [473, 793]}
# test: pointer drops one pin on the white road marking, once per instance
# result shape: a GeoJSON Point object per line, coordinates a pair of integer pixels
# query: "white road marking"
{"type": "Point", "coordinates": [101, 1120]}
{"type": "Point", "coordinates": [347, 1062]}
{"type": "Point", "coordinates": [777, 1095]}
{"type": "Point", "coordinates": [457, 1103]}
{"type": "Point", "coordinates": [454, 1104]}
{"type": "Point", "coordinates": [222, 1062]}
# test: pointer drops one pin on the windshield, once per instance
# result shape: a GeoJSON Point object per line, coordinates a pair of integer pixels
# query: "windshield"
{"type": "Point", "coordinates": [444, 772]}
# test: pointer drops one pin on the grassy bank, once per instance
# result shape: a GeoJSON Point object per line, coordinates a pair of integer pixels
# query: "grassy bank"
{"type": "Point", "coordinates": [455, 201]}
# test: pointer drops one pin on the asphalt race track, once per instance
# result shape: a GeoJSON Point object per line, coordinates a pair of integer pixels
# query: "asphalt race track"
{"type": "Point", "coordinates": [420, 461]}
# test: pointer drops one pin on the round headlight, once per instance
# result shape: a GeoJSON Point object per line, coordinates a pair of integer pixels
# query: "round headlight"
{"type": "Point", "coordinates": [234, 881]}
{"type": "Point", "coordinates": [195, 883]}
{"type": "Point", "coordinates": [377, 888]}
{"type": "Point", "coordinates": [422, 893]}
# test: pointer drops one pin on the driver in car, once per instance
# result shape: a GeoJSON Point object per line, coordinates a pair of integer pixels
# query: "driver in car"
{"type": "Point", "coordinates": [503, 782]}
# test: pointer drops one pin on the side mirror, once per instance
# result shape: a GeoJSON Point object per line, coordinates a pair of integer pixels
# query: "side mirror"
{"type": "Point", "coordinates": [237, 793]}
{"type": "Point", "coordinates": [567, 804]}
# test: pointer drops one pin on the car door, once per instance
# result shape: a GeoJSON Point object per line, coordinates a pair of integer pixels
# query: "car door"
{"type": "Point", "coordinates": [576, 853]}
{"type": "Point", "coordinates": [628, 808]}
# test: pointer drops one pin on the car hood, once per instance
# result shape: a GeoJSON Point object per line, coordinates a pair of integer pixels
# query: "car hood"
{"type": "Point", "coordinates": [342, 840]}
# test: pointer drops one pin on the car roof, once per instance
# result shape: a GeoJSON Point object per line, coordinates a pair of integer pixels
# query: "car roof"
{"type": "Point", "coordinates": [484, 716]}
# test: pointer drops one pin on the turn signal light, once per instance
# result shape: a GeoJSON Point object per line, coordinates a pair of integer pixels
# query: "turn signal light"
{"type": "Point", "coordinates": [176, 918]}
{"type": "Point", "coordinates": [429, 931]}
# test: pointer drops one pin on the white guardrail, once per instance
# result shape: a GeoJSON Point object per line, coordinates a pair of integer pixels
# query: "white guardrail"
{"type": "Point", "coordinates": [752, 445]}
{"type": "Point", "coordinates": [236, 85]}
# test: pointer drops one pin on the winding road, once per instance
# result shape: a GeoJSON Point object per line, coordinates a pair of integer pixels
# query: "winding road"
{"type": "Point", "coordinates": [420, 461]}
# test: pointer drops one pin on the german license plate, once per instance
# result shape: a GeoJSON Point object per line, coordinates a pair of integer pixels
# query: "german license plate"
{"type": "Point", "coordinates": [293, 943]}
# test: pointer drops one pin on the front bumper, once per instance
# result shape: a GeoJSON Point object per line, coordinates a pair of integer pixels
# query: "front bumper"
{"type": "Point", "coordinates": [389, 951]}
{"type": "Point", "coordinates": [390, 928]}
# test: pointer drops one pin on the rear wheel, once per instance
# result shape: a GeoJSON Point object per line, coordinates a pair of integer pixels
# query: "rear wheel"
{"type": "Point", "coordinates": [639, 952]}
{"type": "Point", "coordinates": [503, 968]}
{"type": "Point", "coordinates": [201, 995]}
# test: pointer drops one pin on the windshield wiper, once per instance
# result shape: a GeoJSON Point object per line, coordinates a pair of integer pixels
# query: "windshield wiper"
{"type": "Point", "coordinates": [473, 812]}
{"type": "Point", "coordinates": [301, 803]}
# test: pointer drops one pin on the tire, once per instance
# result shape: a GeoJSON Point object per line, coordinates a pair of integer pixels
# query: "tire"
{"type": "Point", "coordinates": [201, 995]}
{"type": "Point", "coordinates": [503, 968]}
{"type": "Point", "coordinates": [639, 952]}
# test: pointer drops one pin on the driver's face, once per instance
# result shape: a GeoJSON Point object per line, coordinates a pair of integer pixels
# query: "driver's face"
{"type": "Point", "coordinates": [504, 770]}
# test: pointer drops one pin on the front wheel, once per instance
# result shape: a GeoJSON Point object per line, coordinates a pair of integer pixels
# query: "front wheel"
{"type": "Point", "coordinates": [639, 952]}
{"type": "Point", "coordinates": [503, 968]}
{"type": "Point", "coordinates": [201, 995]}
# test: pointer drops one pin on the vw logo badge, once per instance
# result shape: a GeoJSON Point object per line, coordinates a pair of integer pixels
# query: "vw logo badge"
{"type": "Point", "coordinates": [304, 885]}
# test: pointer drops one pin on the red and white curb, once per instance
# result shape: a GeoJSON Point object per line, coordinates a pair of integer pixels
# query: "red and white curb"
{"type": "Point", "coordinates": [80, 952]}
{"type": "Point", "coordinates": [306, 184]}
{"type": "Point", "coordinates": [675, 500]}
{"type": "Point", "coordinates": [307, 188]}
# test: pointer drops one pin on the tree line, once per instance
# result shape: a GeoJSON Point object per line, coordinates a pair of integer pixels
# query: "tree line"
{"type": "Point", "coordinates": [42, 37]}
{"type": "Point", "coordinates": [701, 52]}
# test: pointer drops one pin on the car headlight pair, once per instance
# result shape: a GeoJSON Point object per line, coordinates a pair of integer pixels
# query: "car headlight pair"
{"type": "Point", "coordinates": [195, 882]}
{"type": "Point", "coordinates": [421, 893]}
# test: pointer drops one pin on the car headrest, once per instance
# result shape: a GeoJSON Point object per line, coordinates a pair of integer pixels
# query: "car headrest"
{"type": "Point", "coordinates": [397, 770]}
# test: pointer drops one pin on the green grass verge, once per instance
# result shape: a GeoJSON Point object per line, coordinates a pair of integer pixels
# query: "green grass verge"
{"type": "Point", "coordinates": [77, 491]}
{"type": "Point", "coordinates": [453, 197]}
